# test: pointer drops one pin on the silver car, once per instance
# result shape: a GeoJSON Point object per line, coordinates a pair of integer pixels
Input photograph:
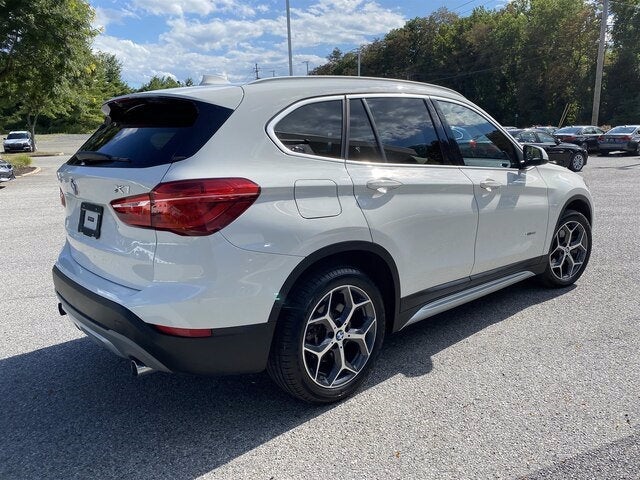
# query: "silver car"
{"type": "Point", "coordinates": [625, 138]}
{"type": "Point", "coordinates": [6, 171]}
{"type": "Point", "coordinates": [21, 141]}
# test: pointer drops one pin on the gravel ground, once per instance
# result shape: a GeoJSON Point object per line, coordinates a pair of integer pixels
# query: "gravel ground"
{"type": "Point", "coordinates": [525, 383]}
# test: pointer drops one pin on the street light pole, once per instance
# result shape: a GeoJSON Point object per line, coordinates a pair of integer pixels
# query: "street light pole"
{"type": "Point", "coordinates": [600, 64]}
{"type": "Point", "coordinates": [289, 39]}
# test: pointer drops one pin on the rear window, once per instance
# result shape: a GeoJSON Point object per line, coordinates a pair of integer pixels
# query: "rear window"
{"type": "Point", "coordinates": [149, 131]}
{"type": "Point", "coordinates": [568, 130]}
{"type": "Point", "coordinates": [617, 130]}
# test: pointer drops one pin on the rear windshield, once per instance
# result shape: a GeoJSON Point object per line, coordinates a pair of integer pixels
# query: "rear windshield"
{"type": "Point", "coordinates": [568, 130]}
{"type": "Point", "coordinates": [148, 131]}
{"type": "Point", "coordinates": [616, 130]}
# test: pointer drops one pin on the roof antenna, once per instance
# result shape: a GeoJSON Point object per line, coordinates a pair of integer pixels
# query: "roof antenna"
{"type": "Point", "coordinates": [214, 80]}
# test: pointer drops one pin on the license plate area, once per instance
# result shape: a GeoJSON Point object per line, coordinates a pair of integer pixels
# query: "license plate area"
{"type": "Point", "coordinates": [90, 219]}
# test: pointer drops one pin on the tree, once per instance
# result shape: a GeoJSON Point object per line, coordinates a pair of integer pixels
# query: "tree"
{"type": "Point", "coordinates": [44, 51]}
{"type": "Point", "coordinates": [159, 83]}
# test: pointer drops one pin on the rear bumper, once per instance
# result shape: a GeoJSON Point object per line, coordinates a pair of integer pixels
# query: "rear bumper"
{"type": "Point", "coordinates": [625, 147]}
{"type": "Point", "coordinates": [233, 350]}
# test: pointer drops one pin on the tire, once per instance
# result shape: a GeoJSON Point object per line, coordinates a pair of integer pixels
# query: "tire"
{"type": "Point", "coordinates": [604, 153]}
{"type": "Point", "coordinates": [568, 256]}
{"type": "Point", "coordinates": [577, 162]}
{"type": "Point", "coordinates": [315, 355]}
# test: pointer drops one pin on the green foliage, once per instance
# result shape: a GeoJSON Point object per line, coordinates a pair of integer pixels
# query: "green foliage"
{"type": "Point", "coordinates": [19, 160]}
{"type": "Point", "coordinates": [621, 92]}
{"type": "Point", "coordinates": [159, 83]}
{"type": "Point", "coordinates": [531, 57]}
{"type": "Point", "coordinates": [44, 53]}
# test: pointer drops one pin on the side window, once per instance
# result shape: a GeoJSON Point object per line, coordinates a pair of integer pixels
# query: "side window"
{"type": "Point", "coordinates": [362, 141]}
{"type": "Point", "coordinates": [406, 130]}
{"type": "Point", "coordinates": [481, 143]}
{"type": "Point", "coordinates": [314, 129]}
{"type": "Point", "coordinates": [527, 137]}
{"type": "Point", "coordinates": [546, 138]}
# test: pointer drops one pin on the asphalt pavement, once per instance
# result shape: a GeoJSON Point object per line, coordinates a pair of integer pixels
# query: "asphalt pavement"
{"type": "Point", "coordinates": [525, 383]}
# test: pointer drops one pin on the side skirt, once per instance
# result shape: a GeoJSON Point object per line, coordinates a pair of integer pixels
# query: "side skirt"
{"type": "Point", "coordinates": [425, 304]}
{"type": "Point", "coordinates": [465, 296]}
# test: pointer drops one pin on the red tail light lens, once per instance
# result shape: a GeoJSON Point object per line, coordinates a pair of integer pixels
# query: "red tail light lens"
{"type": "Point", "coordinates": [570, 138]}
{"type": "Point", "coordinates": [189, 207]}
{"type": "Point", "coordinates": [185, 332]}
{"type": "Point", "coordinates": [626, 138]}
{"type": "Point", "coordinates": [601, 138]}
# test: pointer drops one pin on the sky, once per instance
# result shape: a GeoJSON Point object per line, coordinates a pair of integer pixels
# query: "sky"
{"type": "Point", "coordinates": [188, 38]}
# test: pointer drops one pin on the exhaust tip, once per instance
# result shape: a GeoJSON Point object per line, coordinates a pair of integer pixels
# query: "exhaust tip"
{"type": "Point", "coordinates": [61, 310]}
{"type": "Point", "coordinates": [139, 369]}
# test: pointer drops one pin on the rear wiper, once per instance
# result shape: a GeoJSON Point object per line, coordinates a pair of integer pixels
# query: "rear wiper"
{"type": "Point", "coordinates": [86, 157]}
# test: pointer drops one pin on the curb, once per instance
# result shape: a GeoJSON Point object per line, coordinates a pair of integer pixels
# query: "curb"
{"type": "Point", "coordinates": [37, 170]}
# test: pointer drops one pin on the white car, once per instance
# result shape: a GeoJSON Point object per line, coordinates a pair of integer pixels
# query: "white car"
{"type": "Point", "coordinates": [292, 223]}
{"type": "Point", "coordinates": [20, 141]}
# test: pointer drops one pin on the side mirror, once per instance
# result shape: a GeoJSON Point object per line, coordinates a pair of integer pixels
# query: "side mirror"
{"type": "Point", "coordinates": [533, 155]}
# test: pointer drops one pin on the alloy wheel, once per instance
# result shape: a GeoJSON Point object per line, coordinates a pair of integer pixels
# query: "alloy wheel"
{"type": "Point", "coordinates": [339, 336]}
{"type": "Point", "coordinates": [569, 250]}
{"type": "Point", "coordinates": [577, 162]}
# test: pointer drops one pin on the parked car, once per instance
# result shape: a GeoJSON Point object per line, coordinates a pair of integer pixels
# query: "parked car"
{"type": "Point", "coordinates": [546, 128]}
{"type": "Point", "coordinates": [568, 155]}
{"type": "Point", "coordinates": [6, 171]}
{"type": "Point", "coordinates": [585, 136]}
{"type": "Point", "coordinates": [625, 138]}
{"type": "Point", "coordinates": [293, 223]}
{"type": "Point", "coordinates": [18, 142]}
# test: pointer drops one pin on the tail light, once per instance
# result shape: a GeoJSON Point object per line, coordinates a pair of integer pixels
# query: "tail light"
{"type": "Point", "coordinates": [570, 138]}
{"type": "Point", "coordinates": [626, 138]}
{"type": "Point", "coordinates": [601, 138]}
{"type": "Point", "coordinates": [189, 207]}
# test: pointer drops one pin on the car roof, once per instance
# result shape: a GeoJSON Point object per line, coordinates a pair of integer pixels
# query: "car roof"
{"type": "Point", "coordinates": [292, 88]}
{"type": "Point", "coordinates": [18, 131]}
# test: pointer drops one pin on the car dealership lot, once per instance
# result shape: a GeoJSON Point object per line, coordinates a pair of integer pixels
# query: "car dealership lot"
{"type": "Point", "coordinates": [525, 382]}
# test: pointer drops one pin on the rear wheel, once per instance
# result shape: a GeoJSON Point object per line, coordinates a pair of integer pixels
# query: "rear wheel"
{"type": "Point", "coordinates": [577, 162]}
{"type": "Point", "coordinates": [328, 336]}
{"type": "Point", "coordinates": [604, 153]}
{"type": "Point", "coordinates": [570, 250]}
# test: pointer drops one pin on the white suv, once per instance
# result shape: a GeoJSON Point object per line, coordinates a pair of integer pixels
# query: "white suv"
{"type": "Point", "coordinates": [291, 223]}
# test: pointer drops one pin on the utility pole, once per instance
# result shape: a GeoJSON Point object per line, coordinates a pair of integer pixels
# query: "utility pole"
{"type": "Point", "coordinates": [289, 39]}
{"type": "Point", "coordinates": [359, 58]}
{"type": "Point", "coordinates": [600, 63]}
{"type": "Point", "coordinates": [307, 63]}
{"type": "Point", "coordinates": [256, 71]}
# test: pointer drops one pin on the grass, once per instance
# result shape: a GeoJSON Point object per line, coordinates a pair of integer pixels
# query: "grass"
{"type": "Point", "coordinates": [18, 159]}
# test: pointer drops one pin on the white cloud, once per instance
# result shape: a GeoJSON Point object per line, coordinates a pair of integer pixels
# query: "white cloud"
{"type": "Point", "coordinates": [107, 16]}
{"type": "Point", "coordinates": [199, 39]}
{"type": "Point", "coordinates": [200, 7]}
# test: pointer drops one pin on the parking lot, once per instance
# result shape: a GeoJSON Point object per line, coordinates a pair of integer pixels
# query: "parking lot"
{"type": "Point", "coordinates": [526, 382]}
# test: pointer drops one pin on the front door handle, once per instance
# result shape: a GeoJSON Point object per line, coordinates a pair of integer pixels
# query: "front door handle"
{"type": "Point", "coordinates": [489, 184]}
{"type": "Point", "coordinates": [383, 185]}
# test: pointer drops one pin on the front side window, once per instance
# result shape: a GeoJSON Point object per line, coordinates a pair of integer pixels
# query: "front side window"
{"type": "Point", "coordinates": [527, 137]}
{"type": "Point", "coordinates": [546, 138]}
{"type": "Point", "coordinates": [314, 129]}
{"type": "Point", "coordinates": [406, 131]}
{"type": "Point", "coordinates": [481, 143]}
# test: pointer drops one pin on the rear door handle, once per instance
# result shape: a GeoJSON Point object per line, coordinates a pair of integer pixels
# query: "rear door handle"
{"type": "Point", "coordinates": [489, 184]}
{"type": "Point", "coordinates": [383, 185]}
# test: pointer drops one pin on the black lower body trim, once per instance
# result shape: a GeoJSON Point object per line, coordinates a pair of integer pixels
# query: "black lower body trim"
{"type": "Point", "coordinates": [228, 351]}
{"type": "Point", "coordinates": [411, 304]}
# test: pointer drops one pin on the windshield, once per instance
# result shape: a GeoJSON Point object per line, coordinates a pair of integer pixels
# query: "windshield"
{"type": "Point", "coordinates": [568, 130]}
{"type": "Point", "coordinates": [615, 130]}
{"type": "Point", "coordinates": [16, 135]}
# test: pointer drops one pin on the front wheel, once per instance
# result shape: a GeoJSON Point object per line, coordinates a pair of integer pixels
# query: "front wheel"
{"type": "Point", "coordinates": [570, 251]}
{"type": "Point", "coordinates": [328, 336]}
{"type": "Point", "coordinates": [577, 162]}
